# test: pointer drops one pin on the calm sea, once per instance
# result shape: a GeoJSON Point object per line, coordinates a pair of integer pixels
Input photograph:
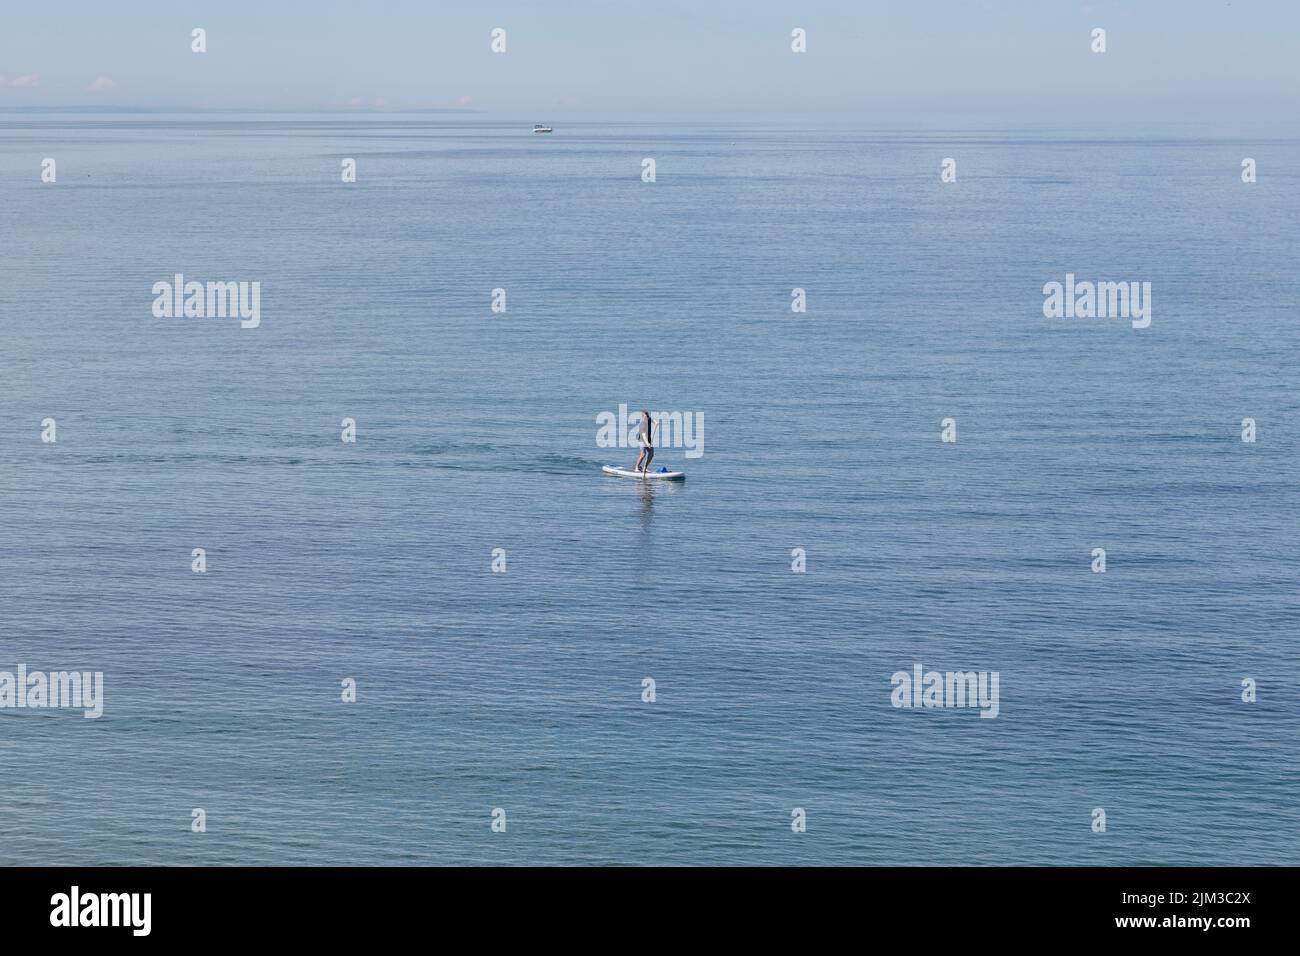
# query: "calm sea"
{"type": "Point", "coordinates": [476, 430]}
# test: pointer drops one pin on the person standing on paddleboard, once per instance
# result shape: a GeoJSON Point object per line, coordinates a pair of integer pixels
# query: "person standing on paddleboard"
{"type": "Point", "coordinates": [646, 440]}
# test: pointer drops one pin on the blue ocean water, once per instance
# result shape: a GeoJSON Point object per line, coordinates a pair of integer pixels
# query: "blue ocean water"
{"type": "Point", "coordinates": [477, 430]}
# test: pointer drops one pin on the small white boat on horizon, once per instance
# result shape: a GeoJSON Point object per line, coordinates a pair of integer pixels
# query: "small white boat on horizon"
{"type": "Point", "coordinates": [541, 128]}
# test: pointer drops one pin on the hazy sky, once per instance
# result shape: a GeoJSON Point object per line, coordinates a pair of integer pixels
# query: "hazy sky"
{"type": "Point", "coordinates": [1172, 59]}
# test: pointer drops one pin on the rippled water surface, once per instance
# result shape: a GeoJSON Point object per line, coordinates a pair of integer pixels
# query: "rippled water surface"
{"type": "Point", "coordinates": [477, 430]}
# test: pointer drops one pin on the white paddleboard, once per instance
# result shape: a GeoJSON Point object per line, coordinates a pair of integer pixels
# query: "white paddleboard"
{"type": "Point", "coordinates": [629, 473]}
